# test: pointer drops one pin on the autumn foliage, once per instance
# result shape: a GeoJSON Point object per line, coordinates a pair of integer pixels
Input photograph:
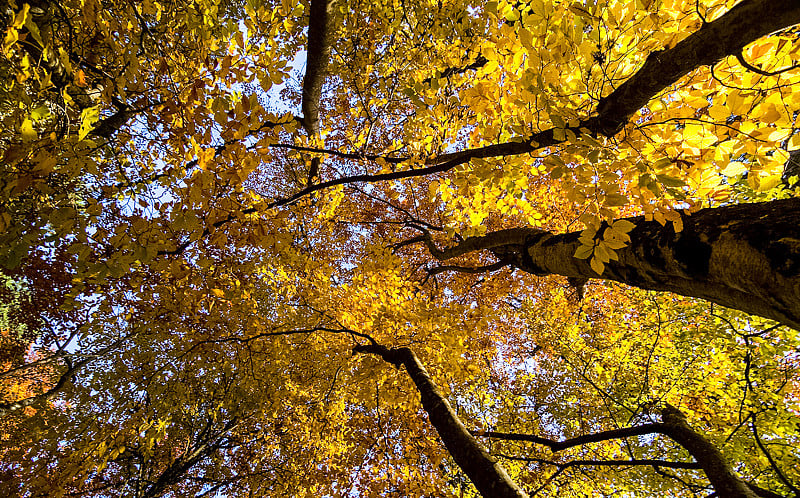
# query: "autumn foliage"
{"type": "Point", "coordinates": [387, 248]}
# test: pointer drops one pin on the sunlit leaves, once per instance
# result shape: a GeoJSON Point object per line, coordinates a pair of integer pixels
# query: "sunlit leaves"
{"type": "Point", "coordinates": [89, 117]}
{"type": "Point", "coordinates": [216, 293]}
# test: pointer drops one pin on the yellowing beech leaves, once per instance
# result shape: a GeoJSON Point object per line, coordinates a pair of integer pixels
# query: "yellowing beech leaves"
{"type": "Point", "coordinates": [436, 248]}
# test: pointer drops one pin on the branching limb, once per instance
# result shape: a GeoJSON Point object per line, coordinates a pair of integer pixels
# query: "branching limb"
{"type": "Point", "coordinates": [725, 481]}
{"type": "Point", "coordinates": [467, 269]}
{"type": "Point", "coordinates": [608, 463]}
{"type": "Point", "coordinates": [479, 62]}
{"type": "Point", "coordinates": [8, 408]}
{"type": "Point", "coordinates": [707, 456]}
{"type": "Point", "coordinates": [501, 238]}
{"type": "Point", "coordinates": [724, 255]}
{"type": "Point", "coordinates": [244, 340]}
{"type": "Point", "coordinates": [555, 446]}
{"type": "Point", "coordinates": [772, 463]}
{"type": "Point", "coordinates": [340, 154]}
{"type": "Point", "coordinates": [743, 24]}
{"type": "Point", "coordinates": [750, 67]}
{"type": "Point", "coordinates": [728, 35]}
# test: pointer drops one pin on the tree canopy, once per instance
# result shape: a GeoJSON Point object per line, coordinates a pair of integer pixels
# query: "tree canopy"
{"type": "Point", "coordinates": [389, 248]}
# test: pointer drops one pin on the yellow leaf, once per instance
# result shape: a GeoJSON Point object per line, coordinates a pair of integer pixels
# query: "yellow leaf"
{"type": "Point", "coordinates": [89, 117]}
{"type": "Point", "coordinates": [623, 226]}
{"type": "Point", "coordinates": [615, 244]}
{"type": "Point", "coordinates": [734, 168]}
{"type": "Point", "coordinates": [218, 292]}
{"type": "Point", "coordinates": [583, 251]}
{"type": "Point", "coordinates": [770, 114]}
{"type": "Point", "coordinates": [699, 136]}
{"type": "Point", "coordinates": [597, 266]}
{"type": "Point", "coordinates": [778, 135]}
{"type": "Point", "coordinates": [616, 200]}
{"type": "Point", "coordinates": [21, 17]}
{"type": "Point", "coordinates": [737, 103]}
{"type": "Point", "coordinates": [769, 182]}
{"type": "Point", "coordinates": [28, 133]}
{"type": "Point", "coordinates": [558, 121]}
{"type": "Point", "coordinates": [718, 112]}
{"type": "Point", "coordinates": [205, 156]}
{"type": "Point", "coordinates": [526, 39]}
{"type": "Point", "coordinates": [12, 36]}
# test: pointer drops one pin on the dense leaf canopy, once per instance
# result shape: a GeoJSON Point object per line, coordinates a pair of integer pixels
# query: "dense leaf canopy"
{"type": "Point", "coordinates": [392, 248]}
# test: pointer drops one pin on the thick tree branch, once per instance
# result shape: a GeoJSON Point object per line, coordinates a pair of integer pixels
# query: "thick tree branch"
{"type": "Point", "coordinates": [745, 256]}
{"type": "Point", "coordinates": [483, 470]}
{"type": "Point", "coordinates": [743, 24]}
{"type": "Point", "coordinates": [746, 22]}
{"type": "Point", "coordinates": [318, 55]}
{"type": "Point", "coordinates": [108, 126]}
{"type": "Point", "coordinates": [726, 483]}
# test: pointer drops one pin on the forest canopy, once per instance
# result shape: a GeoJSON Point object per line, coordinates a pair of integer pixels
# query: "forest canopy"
{"type": "Point", "coordinates": [389, 248]}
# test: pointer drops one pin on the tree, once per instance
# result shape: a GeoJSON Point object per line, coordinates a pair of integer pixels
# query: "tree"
{"type": "Point", "coordinates": [253, 210]}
